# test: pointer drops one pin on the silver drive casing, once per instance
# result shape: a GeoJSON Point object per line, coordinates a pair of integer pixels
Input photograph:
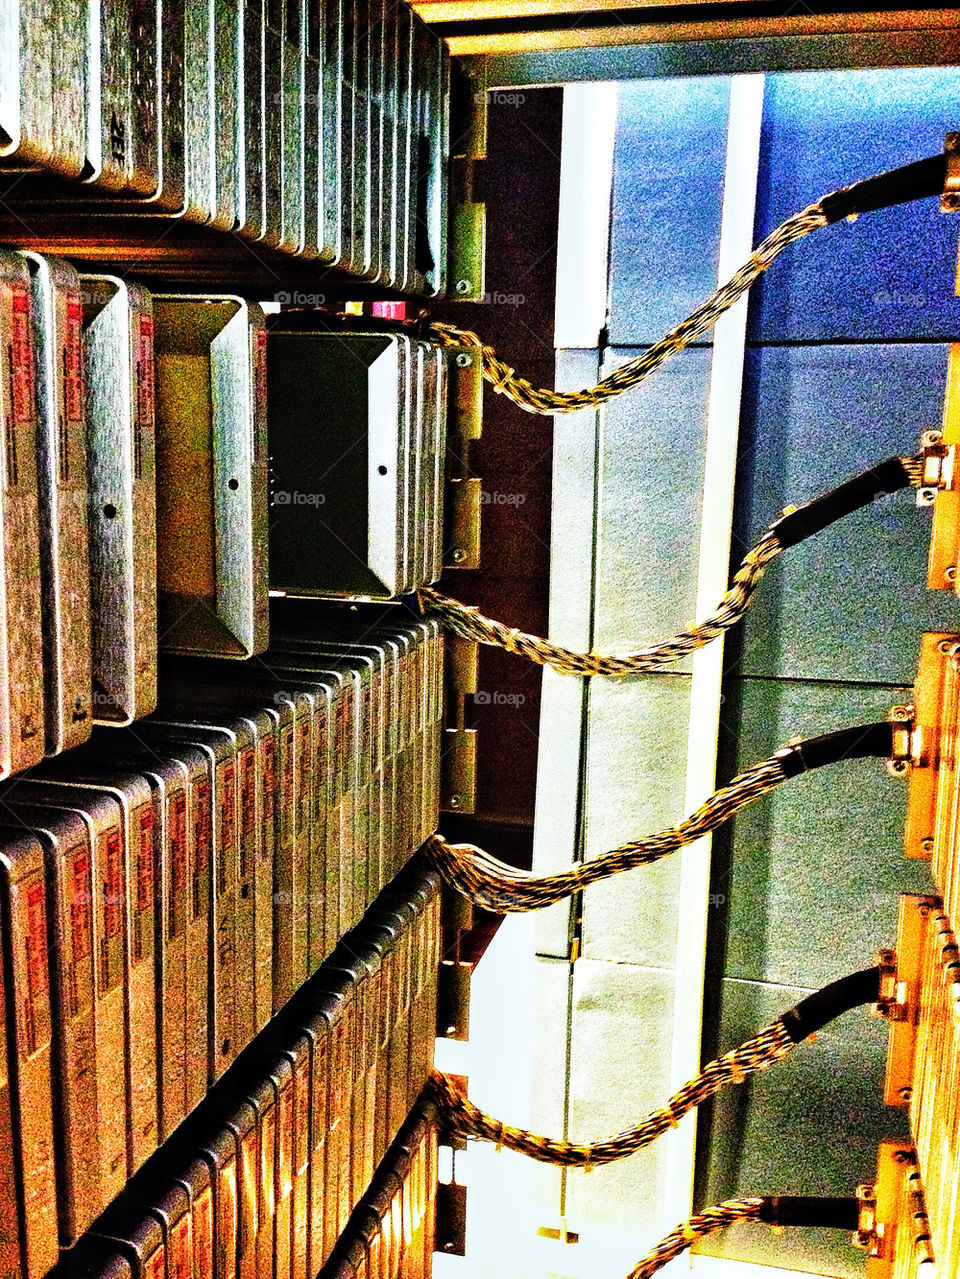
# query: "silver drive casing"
{"type": "Point", "coordinates": [211, 475]}
{"type": "Point", "coordinates": [64, 499]}
{"type": "Point", "coordinates": [118, 340]}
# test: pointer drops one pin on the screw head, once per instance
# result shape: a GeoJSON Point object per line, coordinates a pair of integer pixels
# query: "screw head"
{"type": "Point", "coordinates": [905, 1094]}
{"type": "Point", "coordinates": [455, 801]}
{"type": "Point", "coordinates": [927, 844]}
{"type": "Point", "coordinates": [458, 555]}
{"type": "Point", "coordinates": [463, 360]}
{"type": "Point", "coordinates": [464, 286]}
{"type": "Point", "coordinates": [950, 574]}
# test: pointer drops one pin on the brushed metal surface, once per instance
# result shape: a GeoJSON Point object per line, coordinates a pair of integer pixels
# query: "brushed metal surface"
{"type": "Point", "coordinates": [67, 865]}
{"type": "Point", "coordinates": [332, 108]}
{"type": "Point", "coordinates": [250, 119]}
{"type": "Point", "coordinates": [292, 106]}
{"type": "Point", "coordinates": [199, 112]}
{"type": "Point", "coordinates": [21, 638]}
{"type": "Point", "coordinates": [25, 935]}
{"type": "Point", "coordinates": [212, 472]}
{"type": "Point", "coordinates": [78, 783]}
{"type": "Point", "coordinates": [64, 500]}
{"type": "Point", "coordinates": [118, 338]}
{"type": "Point", "coordinates": [355, 506]}
{"type": "Point", "coordinates": [42, 102]}
{"type": "Point", "coordinates": [227, 88]}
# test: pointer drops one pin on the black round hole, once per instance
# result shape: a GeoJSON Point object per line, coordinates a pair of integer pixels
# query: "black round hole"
{"type": "Point", "coordinates": [110, 511]}
{"type": "Point", "coordinates": [233, 484]}
{"type": "Point", "coordinates": [382, 470]}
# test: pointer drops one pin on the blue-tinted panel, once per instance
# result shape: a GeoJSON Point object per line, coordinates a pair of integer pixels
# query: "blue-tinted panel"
{"type": "Point", "coordinates": [619, 1071]}
{"type": "Point", "coordinates": [812, 872]}
{"type": "Point", "coordinates": [891, 273]}
{"type": "Point", "coordinates": [850, 602]}
{"type": "Point", "coordinates": [651, 482]}
{"type": "Point", "coordinates": [636, 768]}
{"type": "Point", "coordinates": [668, 167]}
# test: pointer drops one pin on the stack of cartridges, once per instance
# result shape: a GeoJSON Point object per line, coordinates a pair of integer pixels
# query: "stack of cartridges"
{"type": "Point", "coordinates": [167, 888]}
{"type": "Point", "coordinates": [357, 430]}
{"type": "Point", "coordinates": [314, 127]}
{"type": "Point", "coordinates": [263, 1178]}
{"type": "Point", "coordinates": [135, 510]}
{"type": "Point", "coordinates": [391, 1231]}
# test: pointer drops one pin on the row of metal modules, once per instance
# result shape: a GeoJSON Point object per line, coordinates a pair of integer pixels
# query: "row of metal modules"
{"type": "Point", "coordinates": [312, 129]}
{"type": "Point", "coordinates": [169, 461]}
{"type": "Point", "coordinates": [165, 891]}
{"type": "Point", "coordinates": [265, 1172]}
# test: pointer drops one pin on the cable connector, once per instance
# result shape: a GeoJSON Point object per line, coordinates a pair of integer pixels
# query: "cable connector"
{"type": "Point", "coordinates": [933, 176]}
{"type": "Point", "coordinates": [863, 741]}
{"type": "Point", "coordinates": [800, 522]}
{"type": "Point", "coordinates": [937, 462]}
{"type": "Point", "coordinates": [903, 754]}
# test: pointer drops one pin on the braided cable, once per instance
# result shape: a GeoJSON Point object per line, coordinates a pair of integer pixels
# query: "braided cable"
{"type": "Point", "coordinates": [495, 886]}
{"type": "Point", "coordinates": [471, 624]}
{"type": "Point", "coordinates": [716, 1217]}
{"type": "Point", "coordinates": [463, 1119]}
{"type": "Point", "coordinates": [545, 401]}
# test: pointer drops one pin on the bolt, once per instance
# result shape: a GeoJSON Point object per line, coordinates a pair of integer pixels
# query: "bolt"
{"type": "Point", "coordinates": [463, 360]}
{"type": "Point", "coordinates": [929, 438]}
{"type": "Point", "coordinates": [458, 555]}
{"type": "Point", "coordinates": [900, 714]}
{"type": "Point", "coordinates": [464, 286]}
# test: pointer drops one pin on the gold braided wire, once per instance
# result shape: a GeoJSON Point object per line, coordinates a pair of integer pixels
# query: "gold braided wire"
{"type": "Point", "coordinates": [545, 401]}
{"type": "Point", "coordinates": [717, 1217]}
{"type": "Point", "coordinates": [471, 624]}
{"type": "Point", "coordinates": [462, 1118]}
{"type": "Point", "coordinates": [495, 886]}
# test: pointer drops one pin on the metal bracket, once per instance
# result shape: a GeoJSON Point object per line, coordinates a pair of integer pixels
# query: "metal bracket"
{"type": "Point", "coordinates": [459, 765]}
{"type": "Point", "coordinates": [459, 774]}
{"type": "Point", "coordinates": [450, 1234]}
{"type": "Point", "coordinates": [464, 426]}
{"type": "Point", "coordinates": [467, 218]}
{"type": "Point", "coordinates": [453, 999]}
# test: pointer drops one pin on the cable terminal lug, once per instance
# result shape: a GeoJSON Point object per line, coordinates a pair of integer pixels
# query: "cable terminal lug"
{"type": "Point", "coordinates": [892, 1003]}
{"type": "Point", "coordinates": [867, 1236]}
{"type": "Point", "coordinates": [902, 755]}
{"type": "Point", "coordinates": [936, 467]}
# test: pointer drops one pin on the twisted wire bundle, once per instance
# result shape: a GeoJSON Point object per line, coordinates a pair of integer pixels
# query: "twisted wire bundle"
{"type": "Point", "coordinates": [495, 886]}
{"type": "Point", "coordinates": [462, 1118]}
{"type": "Point", "coordinates": [717, 1217]}
{"type": "Point", "coordinates": [471, 624]}
{"type": "Point", "coordinates": [545, 401]}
